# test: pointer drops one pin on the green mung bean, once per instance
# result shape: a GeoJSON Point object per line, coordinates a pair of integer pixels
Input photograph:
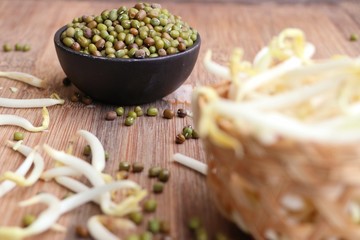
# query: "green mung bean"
{"type": "Point", "coordinates": [7, 47]}
{"type": "Point", "coordinates": [87, 150]}
{"type": "Point", "coordinates": [164, 175]}
{"type": "Point", "coordinates": [119, 111]}
{"type": "Point", "coordinates": [18, 136]}
{"type": "Point", "coordinates": [137, 167]}
{"type": "Point", "coordinates": [146, 236]}
{"type": "Point", "coordinates": [138, 110]}
{"type": "Point", "coordinates": [154, 226]}
{"type": "Point", "coordinates": [154, 171]}
{"type": "Point", "coordinates": [136, 217]}
{"type": "Point", "coordinates": [129, 121]}
{"type": "Point", "coordinates": [124, 166]}
{"type": "Point", "coordinates": [152, 111]}
{"type": "Point", "coordinates": [133, 237]}
{"type": "Point", "coordinates": [158, 187]}
{"type": "Point", "coordinates": [26, 48]}
{"type": "Point", "coordinates": [28, 219]}
{"type": "Point", "coordinates": [150, 205]}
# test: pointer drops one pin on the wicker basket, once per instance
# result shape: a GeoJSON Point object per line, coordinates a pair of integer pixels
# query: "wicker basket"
{"type": "Point", "coordinates": [288, 190]}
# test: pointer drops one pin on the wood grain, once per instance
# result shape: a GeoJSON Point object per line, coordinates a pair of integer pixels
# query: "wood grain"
{"type": "Point", "coordinates": [223, 26]}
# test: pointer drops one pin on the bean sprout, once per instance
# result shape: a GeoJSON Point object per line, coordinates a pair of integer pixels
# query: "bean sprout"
{"type": "Point", "coordinates": [25, 78]}
{"type": "Point", "coordinates": [287, 94]}
{"type": "Point", "coordinates": [74, 185]}
{"type": "Point", "coordinates": [7, 186]}
{"type": "Point", "coordinates": [191, 163]}
{"type": "Point", "coordinates": [19, 179]}
{"type": "Point", "coordinates": [99, 232]}
{"type": "Point", "coordinates": [71, 166]}
{"type": "Point", "coordinates": [47, 219]}
{"type": "Point", "coordinates": [80, 198]}
{"type": "Point", "coordinates": [29, 103]}
{"type": "Point", "coordinates": [130, 204]}
{"type": "Point", "coordinates": [59, 171]}
{"type": "Point", "coordinates": [43, 222]}
{"type": "Point", "coordinates": [97, 150]}
{"type": "Point", "coordinates": [6, 119]}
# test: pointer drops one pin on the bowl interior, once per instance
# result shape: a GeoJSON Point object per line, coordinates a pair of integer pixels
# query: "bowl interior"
{"type": "Point", "coordinates": [126, 81]}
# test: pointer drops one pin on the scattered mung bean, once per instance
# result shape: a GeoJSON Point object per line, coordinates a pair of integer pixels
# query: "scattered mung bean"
{"type": "Point", "coordinates": [124, 166]}
{"type": "Point", "coordinates": [26, 48]}
{"type": "Point", "coordinates": [164, 175]}
{"type": "Point", "coordinates": [353, 37]}
{"type": "Point", "coordinates": [122, 175]}
{"type": "Point", "coordinates": [75, 98]}
{"type": "Point", "coordinates": [146, 236]}
{"type": "Point", "coordinates": [119, 111]}
{"type": "Point", "coordinates": [187, 132]}
{"type": "Point", "coordinates": [154, 226]}
{"type": "Point", "coordinates": [18, 47]}
{"type": "Point", "coordinates": [81, 231]}
{"type": "Point", "coordinates": [195, 134]}
{"type": "Point", "coordinates": [154, 171]}
{"type": "Point", "coordinates": [164, 227]}
{"type": "Point", "coordinates": [201, 234]}
{"type": "Point", "coordinates": [136, 217]}
{"type": "Point", "coordinates": [132, 114]}
{"type": "Point", "coordinates": [133, 237]}
{"type": "Point", "coordinates": [137, 167]}
{"type": "Point", "coordinates": [7, 47]}
{"type": "Point", "coordinates": [18, 136]}
{"type": "Point", "coordinates": [220, 236]}
{"type": "Point", "coordinates": [180, 138]}
{"type": "Point", "coordinates": [181, 113]}
{"type": "Point", "coordinates": [87, 150]}
{"type": "Point", "coordinates": [152, 111]}
{"type": "Point", "coordinates": [150, 205]}
{"type": "Point", "coordinates": [194, 223]}
{"type": "Point", "coordinates": [86, 100]}
{"type": "Point", "coordinates": [28, 219]}
{"type": "Point", "coordinates": [129, 121]}
{"type": "Point", "coordinates": [66, 82]}
{"type": "Point", "coordinates": [158, 187]}
{"type": "Point", "coordinates": [168, 113]}
{"type": "Point", "coordinates": [111, 115]}
{"type": "Point", "coordinates": [138, 110]}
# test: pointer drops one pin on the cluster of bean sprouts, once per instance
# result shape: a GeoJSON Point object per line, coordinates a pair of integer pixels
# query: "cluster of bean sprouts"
{"type": "Point", "coordinates": [64, 172]}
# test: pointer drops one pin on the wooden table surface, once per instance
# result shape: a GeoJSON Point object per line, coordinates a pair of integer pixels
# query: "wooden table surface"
{"type": "Point", "coordinates": [223, 26]}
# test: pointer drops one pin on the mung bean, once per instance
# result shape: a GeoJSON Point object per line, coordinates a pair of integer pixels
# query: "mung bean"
{"type": "Point", "coordinates": [137, 167]}
{"type": "Point", "coordinates": [136, 217]}
{"type": "Point", "coordinates": [124, 166]}
{"type": "Point", "coordinates": [18, 136]}
{"type": "Point", "coordinates": [154, 226]}
{"type": "Point", "coordinates": [150, 205]}
{"type": "Point", "coordinates": [7, 47]}
{"type": "Point", "coordinates": [158, 187]}
{"type": "Point", "coordinates": [111, 115]}
{"type": "Point", "coordinates": [152, 111]}
{"type": "Point", "coordinates": [28, 219]}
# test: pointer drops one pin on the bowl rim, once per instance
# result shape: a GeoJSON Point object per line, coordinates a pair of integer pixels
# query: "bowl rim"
{"type": "Point", "coordinates": [59, 44]}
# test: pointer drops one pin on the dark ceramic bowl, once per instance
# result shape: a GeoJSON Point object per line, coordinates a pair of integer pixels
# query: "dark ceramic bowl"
{"type": "Point", "coordinates": [126, 81]}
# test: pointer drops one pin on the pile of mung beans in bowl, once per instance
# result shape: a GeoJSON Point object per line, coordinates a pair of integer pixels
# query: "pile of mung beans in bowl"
{"type": "Point", "coordinates": [127, 55]}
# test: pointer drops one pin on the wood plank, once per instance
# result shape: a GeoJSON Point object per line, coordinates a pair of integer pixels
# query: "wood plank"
{"type": "Point", "coordinates": [223, 26]}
